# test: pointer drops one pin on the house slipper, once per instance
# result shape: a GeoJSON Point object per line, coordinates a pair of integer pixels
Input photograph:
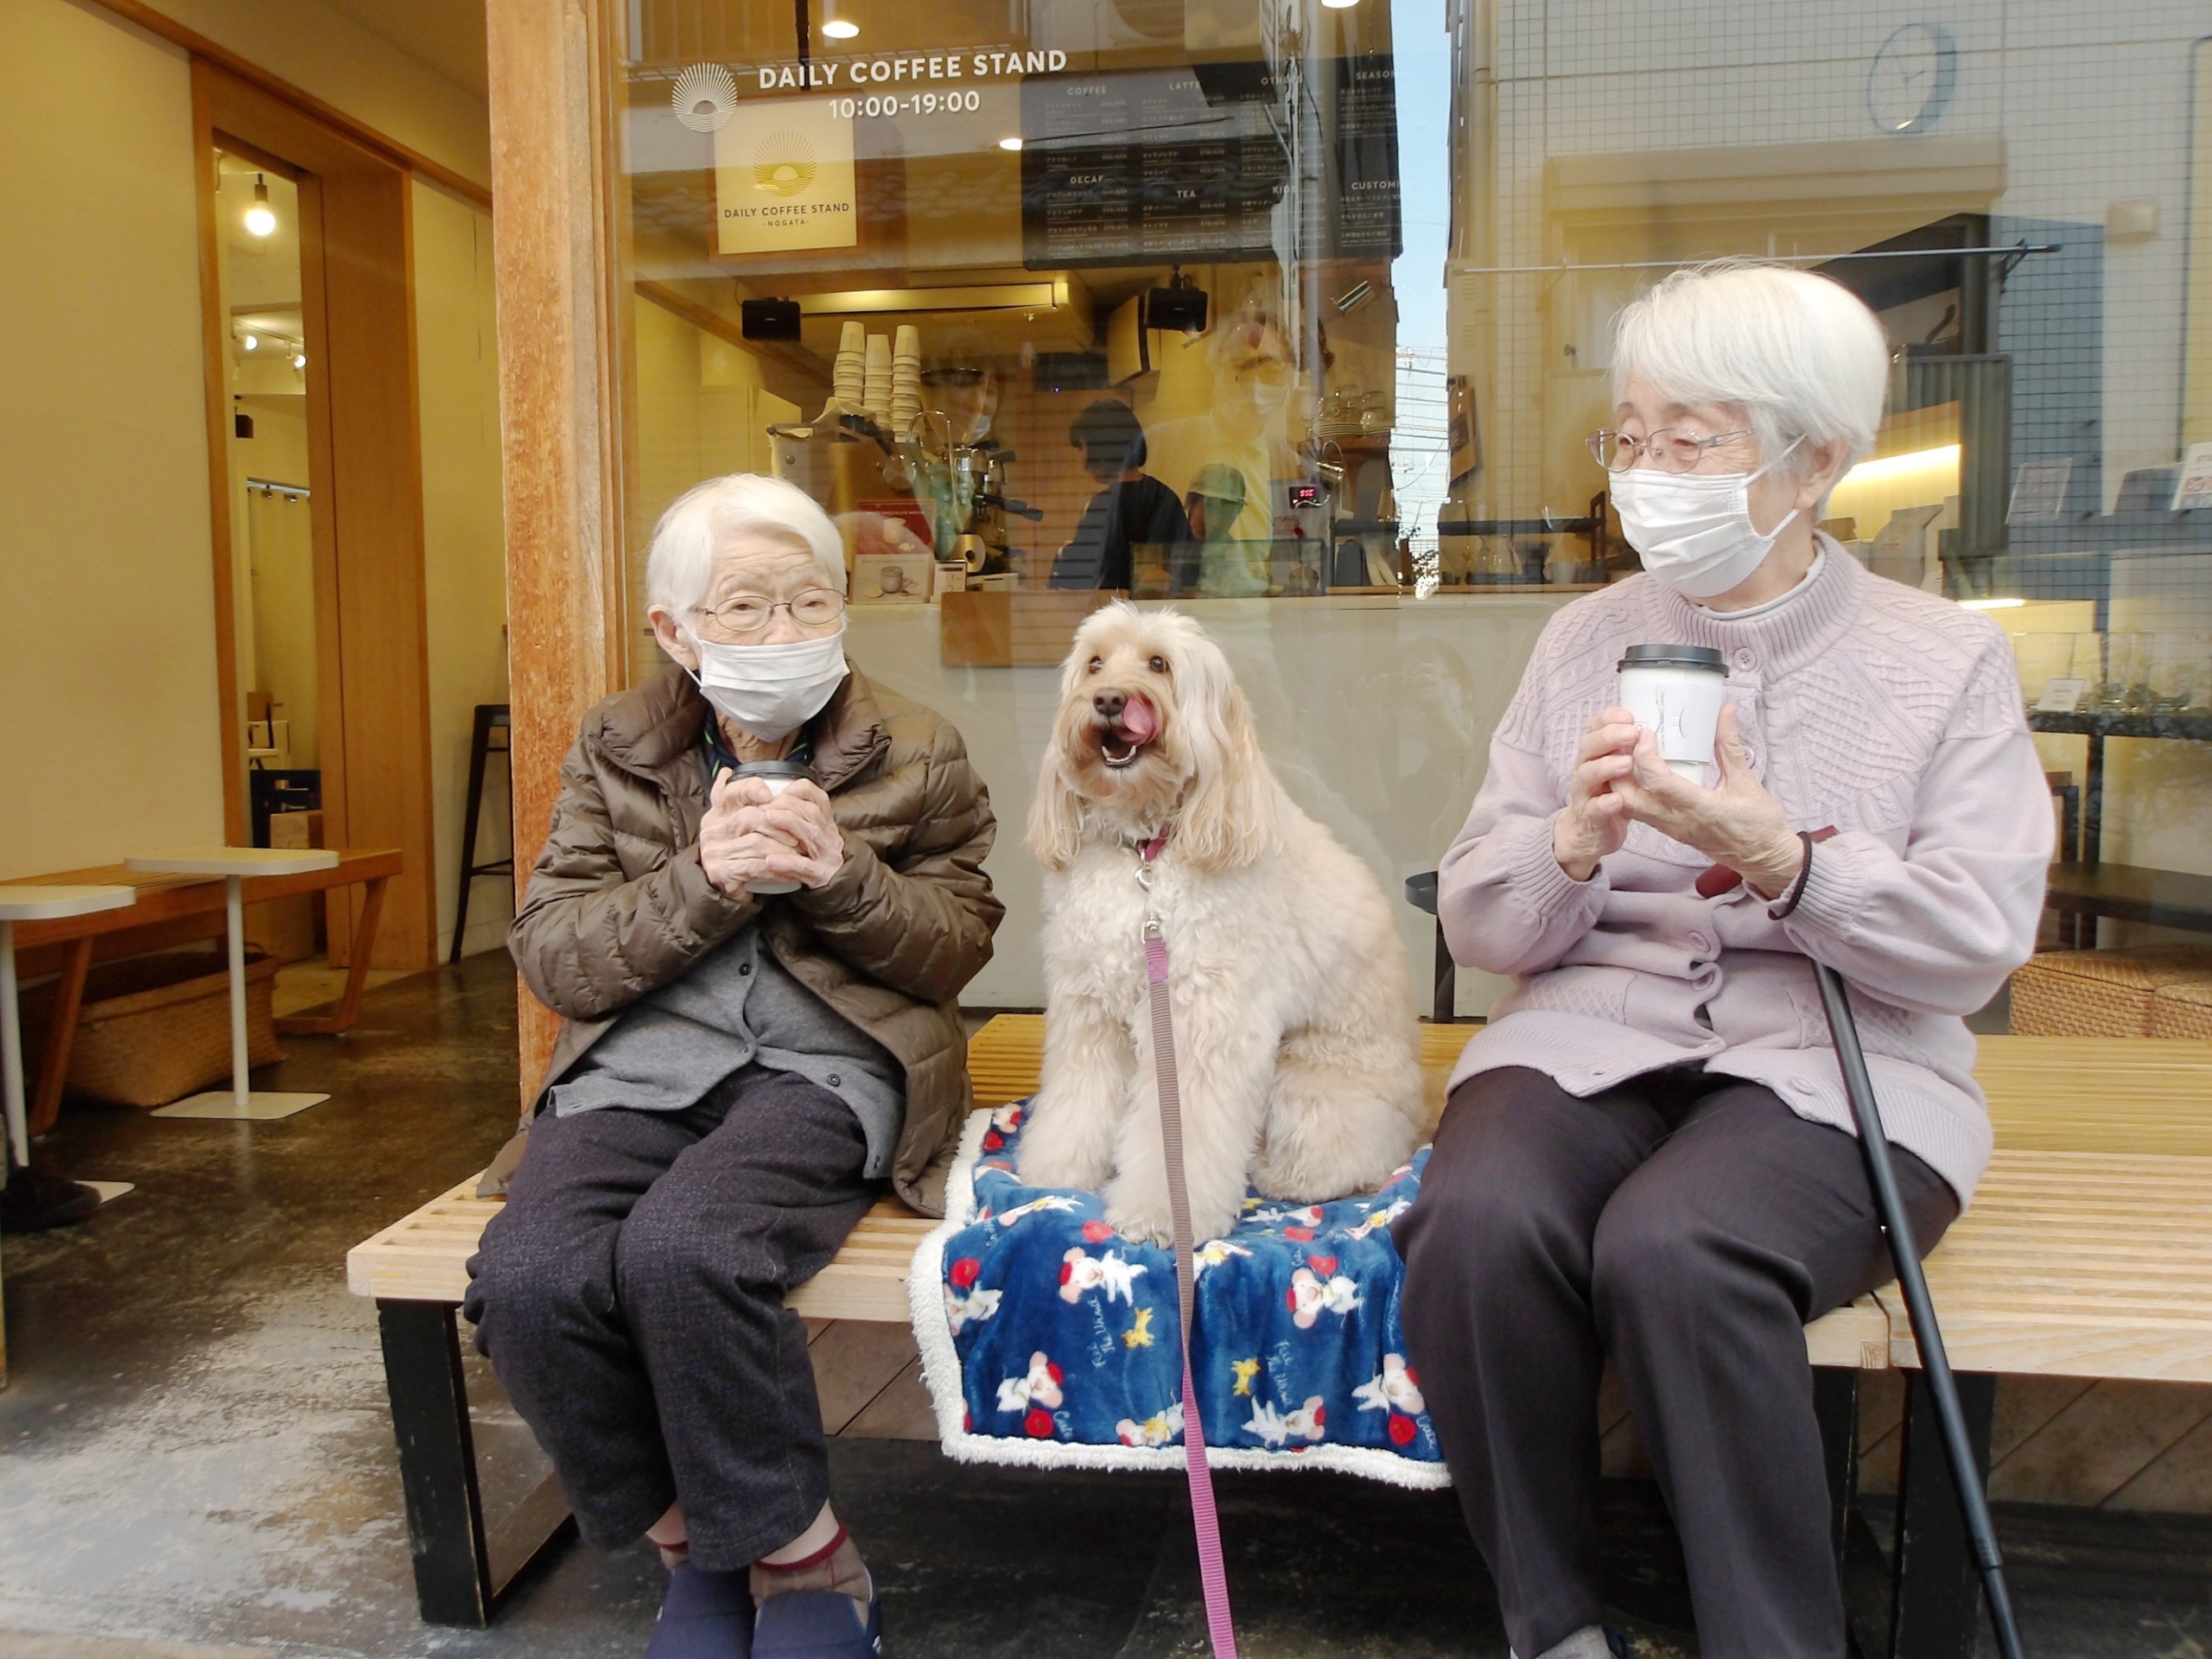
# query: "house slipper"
{"type": "Point", "coordinates": [818, 1625]}
{"type": "Point", "coordinates": [705, 1616]}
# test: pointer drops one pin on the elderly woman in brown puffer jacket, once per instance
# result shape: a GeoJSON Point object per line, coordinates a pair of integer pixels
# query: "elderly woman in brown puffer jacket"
{"type": "Point", "coordinates": [759, 989]}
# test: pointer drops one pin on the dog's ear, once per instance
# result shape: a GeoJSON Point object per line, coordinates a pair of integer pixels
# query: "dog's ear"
{"type": "Point", "coordinates": [1056, 815]}
{"type": "Point", "coordinates": [1231, 815]}
{"type": "Point", "coordinates": [1055, 819]}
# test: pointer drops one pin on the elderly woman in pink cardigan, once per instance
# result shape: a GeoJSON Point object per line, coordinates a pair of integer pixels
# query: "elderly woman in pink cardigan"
{"type": "Point", "coordinates": [1647, 1154]}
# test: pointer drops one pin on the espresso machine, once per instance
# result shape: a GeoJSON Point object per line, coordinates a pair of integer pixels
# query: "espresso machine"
{"type": "Point", "coordinates": [962, 489]}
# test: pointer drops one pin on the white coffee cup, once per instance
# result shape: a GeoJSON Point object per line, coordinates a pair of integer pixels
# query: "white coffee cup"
{"type": "Point", "coordinates": [778, 775]}
{"type": "Point", "coordinates": [1675, 692]}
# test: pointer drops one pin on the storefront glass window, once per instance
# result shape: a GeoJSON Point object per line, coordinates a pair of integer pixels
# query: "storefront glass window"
{"type": "Point", "coordinates": [1298, 314]}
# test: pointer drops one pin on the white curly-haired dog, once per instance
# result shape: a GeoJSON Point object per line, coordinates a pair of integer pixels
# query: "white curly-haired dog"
{"type": "Point", "coordinates": [1294, 1031]}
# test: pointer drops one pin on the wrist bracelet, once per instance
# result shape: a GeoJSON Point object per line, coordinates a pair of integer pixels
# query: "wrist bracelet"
{"type": "Point", "coordinates": [1796, 890]}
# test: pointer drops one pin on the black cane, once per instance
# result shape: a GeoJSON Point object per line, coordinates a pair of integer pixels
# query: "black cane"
{"type": "Point", "coordinates": [1935, 1365]}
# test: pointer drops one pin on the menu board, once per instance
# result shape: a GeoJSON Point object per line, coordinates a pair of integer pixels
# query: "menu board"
{"type": "Point", "coordinates": [1139, 167]}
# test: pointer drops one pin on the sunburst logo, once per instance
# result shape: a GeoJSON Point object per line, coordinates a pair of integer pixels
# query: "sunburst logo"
{"type": "Point", "coordinates": [704, 97]}
{"type": "Point", "coordinates": [783, 163]}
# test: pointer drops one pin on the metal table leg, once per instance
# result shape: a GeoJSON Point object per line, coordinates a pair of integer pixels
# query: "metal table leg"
{"type": "Point", "coordinates": [11, 1051]}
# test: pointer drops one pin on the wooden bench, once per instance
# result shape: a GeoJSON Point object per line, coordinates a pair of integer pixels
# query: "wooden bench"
{"type": "Point", "coordinates": [2088, 1253]}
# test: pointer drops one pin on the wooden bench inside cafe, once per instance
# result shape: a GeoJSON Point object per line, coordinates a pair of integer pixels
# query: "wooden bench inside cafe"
{"type": "Point", "coordinates": [2086, 1254]}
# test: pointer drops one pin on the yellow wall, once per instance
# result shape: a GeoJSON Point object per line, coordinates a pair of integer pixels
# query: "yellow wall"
{"type": "Point", "coordinates": [701, 411]}
{"type": "Point", "coordinates": [107, 629]}
{"type": "Point", "coordinates": [465, 576]}
{"type": "Point", "coordinates": [107, 653]}
{"type": "Point", "coordinates": [273, 561]}
{"type": "Point", "coordinates": [322, 52]}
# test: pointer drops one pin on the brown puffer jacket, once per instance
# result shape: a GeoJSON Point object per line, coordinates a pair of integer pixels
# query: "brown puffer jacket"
{"type": "Point", "coordinates": [618, 904]}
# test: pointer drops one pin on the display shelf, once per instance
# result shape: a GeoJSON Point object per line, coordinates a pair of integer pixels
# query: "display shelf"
{"type": "Point", "coordinates": [2192, 726]}
{"type": "Point", "coordinates": [2131, 892]}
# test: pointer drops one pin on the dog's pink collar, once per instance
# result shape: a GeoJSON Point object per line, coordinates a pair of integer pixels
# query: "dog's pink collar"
{"type": "Point", "coordinates": [1150, 851]}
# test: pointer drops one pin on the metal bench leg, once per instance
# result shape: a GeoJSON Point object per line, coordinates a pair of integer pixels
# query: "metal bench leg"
{"type": "Point", "coordinates": [437, 1462]}
{"type": "Point", "coordinates": [1835, 1404]}
{"type": "Point", "coordinates": [1936, 1612]}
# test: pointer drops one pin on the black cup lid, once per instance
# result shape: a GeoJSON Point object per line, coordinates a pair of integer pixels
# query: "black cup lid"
{"type": "Point", "coordinates": [774, 769]}
{"type": "Point", "coordinates": [1673, 656]}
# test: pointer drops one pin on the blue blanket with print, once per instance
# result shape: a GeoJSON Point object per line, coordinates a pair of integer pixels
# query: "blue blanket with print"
{"type": "Point", "coordinates": [1047, 1338]}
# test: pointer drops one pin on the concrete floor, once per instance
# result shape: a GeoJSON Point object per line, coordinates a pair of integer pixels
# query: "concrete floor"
{"type": "Point", "coordinates": [195, 1462]}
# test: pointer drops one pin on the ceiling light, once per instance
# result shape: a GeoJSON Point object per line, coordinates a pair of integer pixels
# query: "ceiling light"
{"type": "Point", "coordinates": [837, 28]}
{"type": "Point", "coordinates": [260, 219]}
{"type": "Point", "coordinates": [299, 359]}
{"type": "Point", "coordinates": [251, 342]}
{"type": "Point", "coordinates": [1339, 5]}
{"type": "Point", "coordinates": [1009, 143]}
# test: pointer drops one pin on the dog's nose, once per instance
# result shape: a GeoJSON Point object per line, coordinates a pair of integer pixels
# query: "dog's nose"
{"type": "Point", "coordinates": [1110, 704]}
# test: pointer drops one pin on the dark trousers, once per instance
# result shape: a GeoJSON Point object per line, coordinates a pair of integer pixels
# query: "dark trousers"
{"type": "Point", "coordinates": [630, 1295]}
{"type": "Point", "coordinates": [1688, 1227]}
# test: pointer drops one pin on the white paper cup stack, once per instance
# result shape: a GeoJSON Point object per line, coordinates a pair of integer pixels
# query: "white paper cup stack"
{"type": "Point", "coordinates": [850, 375]}
{"type": "Point", "coordinates": [875, 392]}
{"type": "Point", "coordinates": [905, 379]}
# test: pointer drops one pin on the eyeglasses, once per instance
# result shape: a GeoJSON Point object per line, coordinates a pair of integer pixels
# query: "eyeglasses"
{"type": "Point", "coordinates": [1674, 451]}
{"type": "Point", "coordinates": [745, 615]}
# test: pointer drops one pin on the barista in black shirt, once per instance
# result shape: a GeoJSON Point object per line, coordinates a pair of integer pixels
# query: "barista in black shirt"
{"type": "Point", "coordinates": [1132, 509]}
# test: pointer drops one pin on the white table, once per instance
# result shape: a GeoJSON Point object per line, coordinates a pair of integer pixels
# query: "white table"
{"type": "Point", "coordinates": [34, 904]}
{"type": "Point", "coordinates": [234, 864]}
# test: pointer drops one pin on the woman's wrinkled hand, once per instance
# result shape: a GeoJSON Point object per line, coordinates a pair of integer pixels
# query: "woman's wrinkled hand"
{"type": "Point", "coordinates": [1593, 824]}
{"type": "Point", "coordinates": [1736, 823]}
{"type": "Point", "coordinates": [754, 834]}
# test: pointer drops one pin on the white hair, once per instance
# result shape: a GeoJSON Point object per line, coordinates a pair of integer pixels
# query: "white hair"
{"type": "Point", "coordinates": [1799, 354]}
{"type": "Point", "coordinates": [698, 522]}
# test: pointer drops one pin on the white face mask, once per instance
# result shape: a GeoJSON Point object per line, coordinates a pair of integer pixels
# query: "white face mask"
{"type": "Point", "coordinates": [770, 690]}
{"type": "Point", "coordinates": [1694, 530]}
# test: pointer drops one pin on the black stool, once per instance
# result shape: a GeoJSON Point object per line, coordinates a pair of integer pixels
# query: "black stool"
{"type": "Point", "coordinates": [490, 717]}
{"type": "Point", "coordinates": [1421, 893]}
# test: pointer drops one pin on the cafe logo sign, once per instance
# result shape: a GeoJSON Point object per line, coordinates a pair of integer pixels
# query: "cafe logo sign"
{"type": "Point", "coordinates": [784, 178]}
{"type": "Point", "coordinates": [704, 97]}
{"type": "Point", "coordinates": [1002, 63]}
{"type": "Point", "coordinates": [783, 163]}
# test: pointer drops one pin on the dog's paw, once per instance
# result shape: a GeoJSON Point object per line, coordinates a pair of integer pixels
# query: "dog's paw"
{"type": "Point", "coordinates": [1140, 1226]}
{"type": "Point", "coordinates": [1045, 1158]}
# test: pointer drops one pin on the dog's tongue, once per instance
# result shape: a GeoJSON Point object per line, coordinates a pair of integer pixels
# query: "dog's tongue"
{"type": "Point", "coordinates": [1139, 721]}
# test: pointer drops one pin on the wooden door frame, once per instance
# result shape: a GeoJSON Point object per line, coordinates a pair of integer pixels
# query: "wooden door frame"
{"type": "Point", "coordinates": [553, 251]}
{"type": "Point", "coordinates": [364, 491]}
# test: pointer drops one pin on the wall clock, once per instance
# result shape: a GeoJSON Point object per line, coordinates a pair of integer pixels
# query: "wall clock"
{"type": "Point", "coordinates": [1910, 82]}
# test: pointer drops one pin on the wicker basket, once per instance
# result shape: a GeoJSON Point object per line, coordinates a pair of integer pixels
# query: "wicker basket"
{"type": "Point", "coordinates": [2101, 993]}
{"type": "Point", "coordinates": [156, 1028]}
{"type": "Point", "coordinates": [2181, 1011]}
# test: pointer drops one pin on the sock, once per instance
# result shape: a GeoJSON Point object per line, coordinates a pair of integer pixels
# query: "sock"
{"type": "Point", "coordinates": [1588, 1643]}
{"type": "Point", "coordinates": [837, 1565]}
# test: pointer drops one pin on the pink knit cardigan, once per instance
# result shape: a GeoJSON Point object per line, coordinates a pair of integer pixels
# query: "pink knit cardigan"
{"type": "Point", "coordinates": [1891, 714]}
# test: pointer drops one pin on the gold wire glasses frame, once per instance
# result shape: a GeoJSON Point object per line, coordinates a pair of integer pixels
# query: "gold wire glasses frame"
{"type": "Point", "coordinates": [749, 613]}
{"type": "Point", "coordinates": [1674, 452]}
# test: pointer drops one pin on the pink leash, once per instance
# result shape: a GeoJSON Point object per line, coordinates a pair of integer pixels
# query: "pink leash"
{"type": "Point", "coordinates": [1205, 1519]}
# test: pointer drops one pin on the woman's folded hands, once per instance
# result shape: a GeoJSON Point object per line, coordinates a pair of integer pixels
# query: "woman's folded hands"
{"type": "Point", "coordinates": [1619, 778]}
{"type": "Point", "coordinates": [753, 834]}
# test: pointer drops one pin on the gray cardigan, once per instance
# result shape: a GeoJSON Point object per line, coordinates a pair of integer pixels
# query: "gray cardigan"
{"type": "Point", "coordinates": [1891, 714]}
